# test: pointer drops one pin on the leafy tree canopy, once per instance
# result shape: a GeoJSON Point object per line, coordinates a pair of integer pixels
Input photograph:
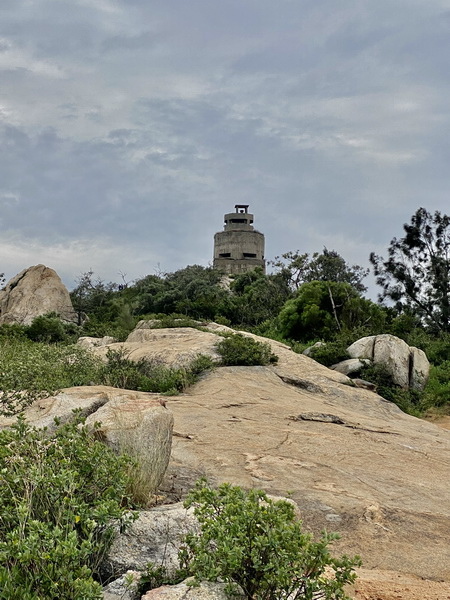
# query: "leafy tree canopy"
{"type": "Point", "coordinates": [193, 291]}
{"type": "Point", "coordinates": [299, 268]}
{"type": "Point", "coordinates": [415, 275]}
{"type": "Point", "coordinates": [323, 308]}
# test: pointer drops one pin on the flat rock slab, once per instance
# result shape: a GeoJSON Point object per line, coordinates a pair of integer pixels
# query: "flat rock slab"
{"type": "Point", "coordinates": [366, 469]}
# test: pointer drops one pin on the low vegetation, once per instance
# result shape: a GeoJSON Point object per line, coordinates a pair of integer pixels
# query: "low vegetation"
{"type": "Point", "coordinates": [257, 547]}
{"type": "Point", "coordinates": [62, 498]}
{"type": "Point", "coordinates": [238, 349]}
{"type": "Point", "coordinates": [30, 371]}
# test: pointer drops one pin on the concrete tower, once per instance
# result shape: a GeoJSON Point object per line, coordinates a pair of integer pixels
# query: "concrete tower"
{"type": "Point", "coordinates": [239, 248]}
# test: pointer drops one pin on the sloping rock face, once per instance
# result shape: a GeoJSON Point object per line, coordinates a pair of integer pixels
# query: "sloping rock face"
{"type": "Point", "coordinates": [353, 462]}
{"type": "Point", "coordinates": [408, 366]}
{"type": "Point", "coordinates": [33, 292]}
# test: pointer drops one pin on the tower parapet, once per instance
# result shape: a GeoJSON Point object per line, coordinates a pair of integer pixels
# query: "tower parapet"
{"type": "Point", "coordinates": [239, 247]}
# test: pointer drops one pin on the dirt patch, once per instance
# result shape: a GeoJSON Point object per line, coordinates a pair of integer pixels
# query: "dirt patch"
{"type": "Point", "coordinates": [390, 585]}
{"type": "Point", "coordinates": [443, 422]}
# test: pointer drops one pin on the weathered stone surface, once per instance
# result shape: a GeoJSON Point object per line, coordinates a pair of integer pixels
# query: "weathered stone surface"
{"type": "Point", "coordinates": [408, 366]}
{"type": "Point", "coordinates": [392, 585]}
{"type": "Point", "coordinates": [137, 423]}
{"type": "Point", "coordinates": [123, 588]}
{"type": "Point", "coordinates": [130, 420]}
{"type": "Point", "coordinates": [33, 292]}
{"type": "Point", "coordinates": [352, 365]}
{"type": "Point", "coordinates": [174, 347]}
{"type": "Point", "coordinates": [310, 350]}
{"type": "Point", "coordinates": [206, 591]}
{"type": "Point", "coordinates": [378, 476]}
{"type": "Point", "coordinates": [420, 369]}
{"type": "Point", "coordinates": [362, 348]}
{"type": "Point", "coordinates": [155, 537]}
{"type": "Point", "coordinates": [42, 413]}
{"type": "Point", "coordinates": [393, 353]}
{"type": "Point", "coordinates": [93, 342]}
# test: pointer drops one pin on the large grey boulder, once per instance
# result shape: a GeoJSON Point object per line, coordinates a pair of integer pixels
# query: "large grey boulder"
{"type": "Point", "coordinates": [408, 366]}
{"type": "Point", "coordinates": [33, 292]}
{"type": "Point", "coordinates": [154, 537]}
{"type": "Point", "coordinates": [420, 369]}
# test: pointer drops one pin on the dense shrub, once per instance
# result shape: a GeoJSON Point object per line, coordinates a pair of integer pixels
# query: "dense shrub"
{"type": "Point", "coordinates": [148, 375]}
{"type": "Point", "coordinates": [330, 353]}
{"type": "Point", "coordinates": [238, 349]}
{"type": "Point", "coordinates": [61, 499]}
{"type": "Point", "coordinates": [256, 545]}
{"type": "Point", "coordinates": [12, 331]}
{"type": "Point", "coordinates": [30, 371]}
{"type": "Point", "coordinates": [49, 329]}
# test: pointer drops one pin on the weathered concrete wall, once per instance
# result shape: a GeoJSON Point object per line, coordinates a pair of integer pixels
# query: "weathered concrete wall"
{"type": "Point", "coordinates": [239, 248]}
{"type": "Point", "coordinates": [238, 251]}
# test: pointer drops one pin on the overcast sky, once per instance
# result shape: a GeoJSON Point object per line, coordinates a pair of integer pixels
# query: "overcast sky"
{"type": "Point", "coordinates": [129, 127]}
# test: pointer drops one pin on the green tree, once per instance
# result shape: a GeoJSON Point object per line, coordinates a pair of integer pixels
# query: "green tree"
{"type": "Point", "coordinates": [416, 274]}
{"type": "Point", "coordinates": [192, 291]}
{"type": "Point", "coordinates": [255, 298]}
{"type": "Point", "coordinates": [92, 297]}
{"type": "Point", "coordinates": [299, 268]}
{"type": "Point", "coordinates": [321, 309]}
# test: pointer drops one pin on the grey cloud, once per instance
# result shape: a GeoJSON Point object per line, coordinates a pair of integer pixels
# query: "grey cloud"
{"type": "Point", "coordinates": [140, 124]}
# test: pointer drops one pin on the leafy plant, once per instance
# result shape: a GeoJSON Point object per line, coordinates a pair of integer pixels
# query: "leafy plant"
{"type": "Point", "coordinates": [30, 371]}
{"type": "Point", "coordinates": [148, 375]}
{"type": "Point", "coordinates": [330, 353]}
{"type": "Point", "coordinates": [239, 349]}
{"type": "Point", "coordinates": [50, 329]}
{"type": "Point", "coordinates": [256, 546]}
{"type": "Point", "coordinates": [62, 498]}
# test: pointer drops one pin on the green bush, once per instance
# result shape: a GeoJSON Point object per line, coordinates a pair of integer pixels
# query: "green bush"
{"type": "Point", "coordinates": [330, 353]}
{"type": "Point", "coordinates": [50, 329]}
{"type": "Point", "coordinates": [46, 329]}
{"type": "Point", "coordinates": [256, 545]}
{"type": "Point", "coordinates": [31, 370]}
{"type": "Point", "coordinates": [62, 498]}
{"type": "Point", "coordinates": [148, 375]}
{"type": "Point", "coordinates": [12, 331]}
{"type": "Point", "coordinates": [238, 349]}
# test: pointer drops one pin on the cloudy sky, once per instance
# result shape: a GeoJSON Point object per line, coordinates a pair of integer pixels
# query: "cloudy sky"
{"type": "Point", "coordinates": [129, 127]}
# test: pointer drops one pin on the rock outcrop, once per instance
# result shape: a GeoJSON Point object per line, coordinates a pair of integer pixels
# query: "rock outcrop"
{"type": "Point", "coordinates": [33, 292]}
{"type": "Point", "coordinates": [175, 347]}
{"type": "Point", "coordinates": [182, 591]}
{"type": "Point", "coordinates": [408, 366]}
{"type": "Point", "coordinates": [352, 461]}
